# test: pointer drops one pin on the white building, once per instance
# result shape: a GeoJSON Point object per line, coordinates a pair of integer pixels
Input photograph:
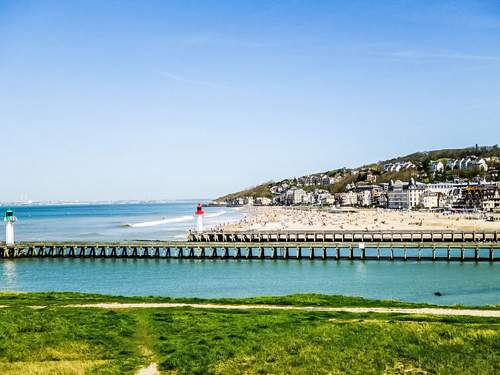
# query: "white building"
{"type": "Point", "coordinates": [325, 180]}
{"type": "Point", "coordinates": [325, 198]}
{"type": "Point", "coordinates": [479, 163]}
{"type": "Point", "coordinates": [371, 178]}
{"type": "Point", "coordinates": [398, 166]}
{"type": "Point", "coordinates": [467, 163]}
{"type": "Point", "coordinates": [443, 187]}
{"type": "Point", "coordinates": [297, 196]}
{"type": "Point", "coordinates": [451, 164]}
{"type": "Point", "coordinates": [437, 166]}
{"type": "Point", "coordinates": [415, 191]}
{"type": "Point", "coordinates": [464, 163]}
{"type": "Point", "coordinates": [349, 199]}
{"type": "Point", "coordinates": [492, 203]}
{"type": "Point", "coordinates": [275, 189]}
{"type": "Point", "coordinates": [263, 201]}
{"type": "Point", "coordinates": [365, 198]}
{"type": "Point", "coordinates": [430, 199]}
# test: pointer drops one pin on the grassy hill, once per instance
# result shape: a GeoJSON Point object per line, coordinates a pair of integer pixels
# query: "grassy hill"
{"type": "Point", "coordinates": [420, 159]}
{"type": "Point", "coordinates": [452, 153]}
{"type": "Point", "coordinates": [256, 191]}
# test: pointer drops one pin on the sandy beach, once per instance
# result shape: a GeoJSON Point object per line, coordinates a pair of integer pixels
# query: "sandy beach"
{"type": "Point", "coordinates": [292, 218]}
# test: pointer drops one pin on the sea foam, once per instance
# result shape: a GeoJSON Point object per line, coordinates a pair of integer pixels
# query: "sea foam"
{"type": "Point", "coordinates": [215, 214]}
{"type": "Point", "coordinates": [161, 222]}
{"type": "Point", "coordinates": [178, 219]}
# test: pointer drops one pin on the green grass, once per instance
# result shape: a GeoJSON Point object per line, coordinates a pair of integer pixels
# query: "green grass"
{"type": "Point", "coordinates": [79, 339]}
{"type": "Point", "coordinates": [62, 340]}
{"type": "Point", "coordinates": [308, 299]}
{"type": "Point", "coordinates": [198, 342]}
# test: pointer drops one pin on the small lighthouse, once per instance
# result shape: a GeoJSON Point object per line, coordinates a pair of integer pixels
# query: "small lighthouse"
{"type": "Point", "coordinates": [199, 218]}
{"type": "Point", "coordinates": [9, 219]}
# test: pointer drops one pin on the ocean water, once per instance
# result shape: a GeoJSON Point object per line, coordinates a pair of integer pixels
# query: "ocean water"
{"type": "Point", "coordinates": [466, 283]}
{"type": "Point", "coordinates": [460, 283]}
{"type": "Point", "coordinates": [113, 222]}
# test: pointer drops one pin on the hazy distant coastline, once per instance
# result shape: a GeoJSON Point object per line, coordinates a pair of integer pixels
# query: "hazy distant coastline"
{"type": "Point", "coordinates": [99, 202]}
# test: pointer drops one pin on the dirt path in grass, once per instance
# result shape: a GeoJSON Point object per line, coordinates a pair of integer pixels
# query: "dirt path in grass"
{"type": "Point", "coordinates": [145, 346]}
{"type": "Point", "coordinates": [152, 369]}
{"type": "Point", "coordinates": [385, 310]}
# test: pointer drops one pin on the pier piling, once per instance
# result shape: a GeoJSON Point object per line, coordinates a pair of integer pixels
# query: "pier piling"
{"type": "Point", "coordinates": [453, 250]}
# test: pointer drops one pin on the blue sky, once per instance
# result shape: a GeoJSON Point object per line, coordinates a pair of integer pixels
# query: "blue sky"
{"type": "Point", "coordinates": [181, 99]}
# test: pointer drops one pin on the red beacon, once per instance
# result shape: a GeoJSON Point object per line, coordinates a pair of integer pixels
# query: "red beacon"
{"type": "Point", "coordinates": [199, 218]}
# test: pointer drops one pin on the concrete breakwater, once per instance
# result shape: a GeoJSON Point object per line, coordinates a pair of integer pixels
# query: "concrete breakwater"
{"type": "Point", "coordinates": [447, 251]}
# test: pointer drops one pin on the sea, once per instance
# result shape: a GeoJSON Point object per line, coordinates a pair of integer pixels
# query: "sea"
{"type": "Point", "coordinates": [113, 221]}
{"type": "Point", "coordinates": [465, 283]}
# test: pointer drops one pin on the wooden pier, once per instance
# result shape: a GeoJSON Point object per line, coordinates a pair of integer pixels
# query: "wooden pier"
{"type": "Point", "coordinates": [436, 251]}
{"type": "Point", "coordinates": [389, 236]}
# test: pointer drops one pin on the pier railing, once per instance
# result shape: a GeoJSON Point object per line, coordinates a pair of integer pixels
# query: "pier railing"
{"type": "Point", "coordinates": [448, 251]}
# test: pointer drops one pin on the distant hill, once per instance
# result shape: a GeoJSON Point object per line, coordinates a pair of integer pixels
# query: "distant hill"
{"type": "Point", "coordinates": [257, 191]}
{"type": "Point", "coordinates": [451, 153]}
{"type": "Point", "coordinates": [421, 172]}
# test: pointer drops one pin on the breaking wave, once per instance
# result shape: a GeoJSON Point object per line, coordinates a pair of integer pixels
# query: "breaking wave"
{"type": "Point", "coordinates": [154, 223]}
{"type": "Point", "coordinates": [178, 219]}
{"type": "Point", "coordinates": [215, 214]}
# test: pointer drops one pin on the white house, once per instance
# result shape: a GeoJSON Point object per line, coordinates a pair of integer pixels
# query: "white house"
{"type": "Point", "coordinates": [396, 167]}
{"type": "Point", "coordinates": [371, 178]}
{"type": "Point", "coordinates": [464, 163]}
{"type": "Point", "coordinates": [325, 180]}
{"type": "Point", "coordinates": [452, 164]}
{"type": "Point", "coordinates": [437, 166]}
{"type": "Point", "coordinates": [479, 163]}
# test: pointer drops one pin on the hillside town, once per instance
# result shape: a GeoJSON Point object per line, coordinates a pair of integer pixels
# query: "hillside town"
{"type": "Point", "coordinates": [363, 189]}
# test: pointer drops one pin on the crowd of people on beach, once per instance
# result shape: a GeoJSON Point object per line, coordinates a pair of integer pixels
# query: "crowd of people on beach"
{"type": "Point", "coordinates": [285, 218]}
